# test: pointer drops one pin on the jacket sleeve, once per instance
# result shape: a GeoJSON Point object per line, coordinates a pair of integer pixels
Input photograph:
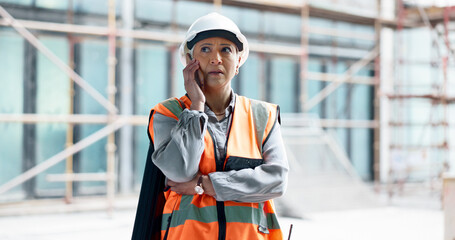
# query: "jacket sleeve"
{"type": "Point", "coordinates": [262, 183]}
{"type": "Point", "coordinates": [179, 144]}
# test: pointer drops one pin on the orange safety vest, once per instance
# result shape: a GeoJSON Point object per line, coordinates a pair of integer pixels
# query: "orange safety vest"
{"type": "Point", "coordinates": [201, 216]}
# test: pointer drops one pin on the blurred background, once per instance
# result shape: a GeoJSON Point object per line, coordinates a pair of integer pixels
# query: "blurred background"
{"type": "Point", "coordinates": [365, 87]}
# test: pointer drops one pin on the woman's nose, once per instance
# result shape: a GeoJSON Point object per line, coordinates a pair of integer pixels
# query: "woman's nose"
{"type": "Point", "coordinates": [215, 58]}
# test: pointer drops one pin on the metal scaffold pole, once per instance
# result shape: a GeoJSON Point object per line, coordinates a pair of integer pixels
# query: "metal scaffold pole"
{"type": "Point", "coordinates": [376, 104]}
{"type": "Point", "coordinates": [126, 99]}
{"type": "Point", "coordinates": [111, 90]}
{"type": "Point", "coordinates": [57, 61]}
{"type": "Point", "coordinates": [304, 42]}
{"type": "Point", "coordinates": [70, 129]}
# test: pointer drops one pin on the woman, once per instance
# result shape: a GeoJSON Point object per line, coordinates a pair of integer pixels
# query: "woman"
{"type": "Point", "coordinates": [222, 154]}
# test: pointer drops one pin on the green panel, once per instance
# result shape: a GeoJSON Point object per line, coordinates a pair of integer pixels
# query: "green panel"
{"type": "Point", "coordinates": [93, 67]}
{"type": "Point", "coordinates": [52, 98]}
{"type": "Point", "coordinates": [250, 73]}
{"type": "Point", "coordinates": [11, 102]}
{"type": "Point", "coordinates": [208, 214]}
{"type": "Point", "coordinates": [282, 86]}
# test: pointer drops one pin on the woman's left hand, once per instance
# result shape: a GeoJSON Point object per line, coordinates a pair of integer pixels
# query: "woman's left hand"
{"type": "Point", "coordinates": [184, 188]}
{"type": "Point", "coordinates": [187, 188]}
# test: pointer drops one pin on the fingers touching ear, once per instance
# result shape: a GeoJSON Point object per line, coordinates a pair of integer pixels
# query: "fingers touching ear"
{"type": "Point", "coordinates": [188, 58]}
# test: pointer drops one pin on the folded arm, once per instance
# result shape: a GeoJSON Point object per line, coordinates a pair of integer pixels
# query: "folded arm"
{"type": "Point", "coordinates": [262, 183]}
{"type": "Point", "coordinates": [179, 144]}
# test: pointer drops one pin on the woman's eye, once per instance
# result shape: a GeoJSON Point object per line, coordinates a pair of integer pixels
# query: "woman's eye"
{"type": "Point", "coordinates": [205, 49]}
{"type": "Point", "coordinates": [227, 49]}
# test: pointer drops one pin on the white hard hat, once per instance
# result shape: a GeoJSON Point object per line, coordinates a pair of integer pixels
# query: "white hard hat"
{"type": "Point", "coordinates": [214, 25]}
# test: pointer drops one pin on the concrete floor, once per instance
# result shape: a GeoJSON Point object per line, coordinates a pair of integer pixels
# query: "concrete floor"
{"type": "Point", "coordinates": [362, 224]}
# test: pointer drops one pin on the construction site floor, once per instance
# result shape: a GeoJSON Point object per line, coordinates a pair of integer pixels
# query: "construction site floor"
{"type": "Point", "coordinates": [361, 224]}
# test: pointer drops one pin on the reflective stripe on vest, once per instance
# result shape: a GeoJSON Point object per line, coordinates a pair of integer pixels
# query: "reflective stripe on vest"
{"type": "Point", "coordinates": [202, 216]}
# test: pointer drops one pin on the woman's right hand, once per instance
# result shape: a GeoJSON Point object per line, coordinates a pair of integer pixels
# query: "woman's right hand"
{"type": "Point", "coordinates": [192, 88]}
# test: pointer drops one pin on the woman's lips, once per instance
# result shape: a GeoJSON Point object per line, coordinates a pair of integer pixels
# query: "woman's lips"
{"type": "Point", "coordinates": [215, 72]}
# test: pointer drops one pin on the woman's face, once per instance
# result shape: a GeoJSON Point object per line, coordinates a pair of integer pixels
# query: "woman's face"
{"type": "Point", "coordinates": [218, 61]}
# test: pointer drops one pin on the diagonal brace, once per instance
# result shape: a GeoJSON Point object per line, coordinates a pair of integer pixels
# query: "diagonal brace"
{"type": "Point", "coordinates": [340, 80]}
{"type": "Point", "coordinates": [32, 172]}
{"type": "Point", "coordinates": [57, 61]}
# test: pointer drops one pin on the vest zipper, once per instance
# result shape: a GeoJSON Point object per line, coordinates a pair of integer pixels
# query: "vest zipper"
{"type": "Point", "coordinates": [221, 220]}
{"type": "Point", "coordinates": [168, 225]}
{"type": "Point", "coordinates": [169, 220]}
{"type": "Point", "coordinates": [219, 205]}
{"type": "Point", "coordinates": [220, 167]}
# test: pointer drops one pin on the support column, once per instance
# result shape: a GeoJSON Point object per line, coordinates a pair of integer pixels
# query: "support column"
{"type": "Point", "coordinates": [111, 92]}
{"type": "Point", "coordinates": [126, 100]}
{"type": "Point", "coordinates": [304, 44]}
{"type": "Point", "coordinates": [385, 86]}
{"type": "Point", "coordinates": [29, 130]}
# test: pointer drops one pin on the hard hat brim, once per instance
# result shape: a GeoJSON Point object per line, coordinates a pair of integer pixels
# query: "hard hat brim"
{"type": "Point", "coordinates": [215, 33]}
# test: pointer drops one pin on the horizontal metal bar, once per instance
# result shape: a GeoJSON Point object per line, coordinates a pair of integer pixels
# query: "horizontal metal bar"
{"type": "Point", "coordinates": [341, 33]}
{"type": "Point", "coordinates": [72, 118]}
{"type": "Point", "coordinates": [72, 177]}
{"type": "Point", "coordinates": [43, 166]}
{"type": "Point", "coordinates": [178, 38]}
{"type": "Point", "coordinates": [331, 77]}
{"type": "Point", "coordinates": [345, 123]}
{"type": "Point", "coordinates": [328, 123]}
{"type": "Point", "coordinates": [26, 34]}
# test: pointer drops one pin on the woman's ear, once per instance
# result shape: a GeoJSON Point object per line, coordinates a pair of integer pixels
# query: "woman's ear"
{"type": "Point", "coordinates": [189, 58]}
{"type": "Point", "coordinates": [238, 66]}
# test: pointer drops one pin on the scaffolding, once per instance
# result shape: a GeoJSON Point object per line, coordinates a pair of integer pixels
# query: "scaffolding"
{"type": "Point", "coordinates": [414, 16]}
{"type": "Point", "coordinates": [436, 20]}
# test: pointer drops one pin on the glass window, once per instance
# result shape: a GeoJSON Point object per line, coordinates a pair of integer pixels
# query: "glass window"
{"type": "Point", "coordinates": [52, 98]}
{"type": "Point", "coordinates": [336, 102]}
{"type": "Point", "coordinates": [11, 102]}
{"type": "Point", "coordinates": [250, 74]}
{"type": "Point", "coordinates": [93, 68]}
{"type": "Point", "coordinates": [282, 24]}
{"type": "Point", "coordinates": [19, 2]}
{"type": "Point", "coordinates": [52, 4]}
{"type": "Point", "coordinates": [343, 26]}
{"type": "Point", "coordinates": [188, 12]}
{"type": "Point", "coordinates": [232, 13]}
{"type": "Point", "coordinates": [362, 151]}
{"type": "Point", "coordinates": [178, 66]}
{"type": "Point", "coordinates": [97, 7]}
{"type": "Point", "coordinates": [249, 20]}
{"type": "Point", "coordinates": [320, 23]}
{"type": "Point", "coordinates": [160, 11]}
{"type": "Point", "coordinates": [151, 88]}
{"type": "Point", "coordinates": [151, 77]}
{"type": "Point", "coordinates": [283, 84]}
{"type": "Point", "coordinates": [314, 86]}
{"type": "Point", "coordinates": [362, 102]}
